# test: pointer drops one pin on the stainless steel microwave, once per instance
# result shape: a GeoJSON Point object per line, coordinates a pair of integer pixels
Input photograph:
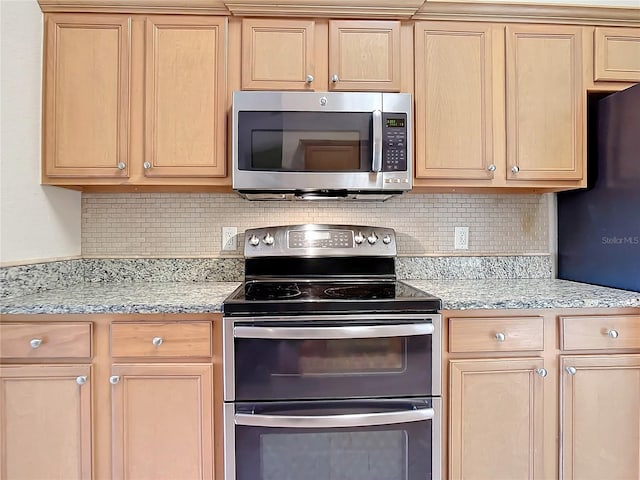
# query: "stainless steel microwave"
{"type": "Point", "coordinates": [317, 145]}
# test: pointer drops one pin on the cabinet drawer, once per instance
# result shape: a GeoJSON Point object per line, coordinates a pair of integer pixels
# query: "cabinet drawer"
{"type": "Point", "coordinates": [507, 334]}
{"type": "Point", "coordinates": [600, 332]}
{"type": "Point", "coordinates": [617, 54]}
{"type": "Point", "coordinates": [161, 339]}
{"type": "Point", "coordinates": [45, 340]}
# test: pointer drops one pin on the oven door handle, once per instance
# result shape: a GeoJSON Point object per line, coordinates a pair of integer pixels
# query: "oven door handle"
{"type": "Point", "coordinates": [334, 421]}
{"type": "Point", "coordinates": [323, 333]}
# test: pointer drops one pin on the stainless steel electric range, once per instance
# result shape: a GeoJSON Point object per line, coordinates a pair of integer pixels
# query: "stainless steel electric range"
{"type": "Point", "coordinates": [332, 365]}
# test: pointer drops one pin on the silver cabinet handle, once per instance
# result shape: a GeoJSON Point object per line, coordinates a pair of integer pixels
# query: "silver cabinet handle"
{"type": "Point", "coordinates": [501, 337]}
{"type": "Point", "coordinates": [121, 165]}
{"type": "Point", "coordinates": [113, 379]}
{"type": "Point", "coordinates": [572, 370]}
{"type": "Point", "coordinates": [542, 372]}
{"type": "Point", "coordinates": [309, 79]}
{"type": "Point", "coordinates": [334, 78]}
{"type": "Point", "coordinates": [323, 333]}
{"type": "Point", "coordinates": [35, 342]}
{"type": "Point", "coordinates": [491, 168]}
{"type": "Point", "coordinates": [157, 341]}
{"type": "Point", "coordinates": [81, 380]}
{"type": "Point", "coordinates": [612, 333]}
{"type": "Point", "coordinates": [515, 169]}
{"type": "Point", "coordinates": [376, 165]}
{"type": "Point", "coordinates": [146, 165]}
{"type": "Point", "coordinates": [334, 421]}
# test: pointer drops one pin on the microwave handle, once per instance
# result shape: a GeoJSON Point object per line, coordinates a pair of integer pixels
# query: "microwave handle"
{"type": "Point", "coordinates": [334, 421]}
{"type": "Point", "coordinates": [376, 164]}
{"type": "Point", "coordinates": [323, 333]}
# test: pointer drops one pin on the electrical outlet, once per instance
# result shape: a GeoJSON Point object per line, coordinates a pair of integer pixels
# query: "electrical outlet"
{"type": "Point", "coordinates": [461, 238]}
{"type": "Point", "coordinates": [229, 238]}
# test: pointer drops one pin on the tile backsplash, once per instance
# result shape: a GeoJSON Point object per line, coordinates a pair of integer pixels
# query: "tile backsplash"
{"type": "Point", "coordinates": [189, 225]}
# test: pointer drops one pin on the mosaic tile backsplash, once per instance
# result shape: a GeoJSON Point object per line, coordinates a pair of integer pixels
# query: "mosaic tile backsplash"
{"type": "Point", "coordinates": [156, 225]}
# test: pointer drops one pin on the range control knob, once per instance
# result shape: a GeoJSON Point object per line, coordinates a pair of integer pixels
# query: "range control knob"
{"type": "Point", "coordinates": [268, 239]}
{"type": "Point", "coordinates": [372, 238]}
{"type": "Point", "coordinates": [254, 241]}
{"type": "Point", "coordinates": [359, 238]}
{"type": "Point", "coordinates": [386, 239]}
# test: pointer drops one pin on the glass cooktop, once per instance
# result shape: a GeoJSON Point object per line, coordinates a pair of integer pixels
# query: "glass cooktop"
{"type": "Point", "coordinates": [283, 297]}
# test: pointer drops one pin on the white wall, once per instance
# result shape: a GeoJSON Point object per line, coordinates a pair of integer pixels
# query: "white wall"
{"type": "Point", "coordinates": [36, 222]}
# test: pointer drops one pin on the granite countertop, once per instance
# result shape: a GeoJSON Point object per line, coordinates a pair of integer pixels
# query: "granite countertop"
{"type": "Point", "coordinates": [207, 297]}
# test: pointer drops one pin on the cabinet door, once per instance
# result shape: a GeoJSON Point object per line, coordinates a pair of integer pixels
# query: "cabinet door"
{"type": "Point", "coordinates": [162, 422]}
{"type": "Point", "coordinates": [364, 55]}
{"type": "Point", "coordinates": [545, 103]}
{"type": "Point", "coordinates": [617, 54]}
{"type": "Point", "coordinates": [454, 100]}
{"type": "Point", "coordinates": [278, 54]}
{"type": "Point", "coordinates": [86, 95]}
{"type": "Point", "coordinates": [600, 408]}
{"type": "Point", "coordinates": [185, 92]}
{"type": "Point", "coordinates": [496, 424]}
{"type": "Point", "coordinates": [45, 422]}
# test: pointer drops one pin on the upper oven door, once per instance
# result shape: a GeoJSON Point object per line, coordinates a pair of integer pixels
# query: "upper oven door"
{"type": "Point", "coordinates": [305, 141]}
{"type": "Point", "coordinates": [372, 356]}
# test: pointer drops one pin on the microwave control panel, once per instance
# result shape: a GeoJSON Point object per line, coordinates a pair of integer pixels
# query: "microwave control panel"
{"type": "Point", "coordinates": [394, 141]}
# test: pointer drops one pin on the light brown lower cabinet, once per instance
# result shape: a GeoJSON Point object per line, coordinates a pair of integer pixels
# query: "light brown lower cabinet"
{"type": "Point", "coordinates": [45, 422]}
{"type": "Point", "coordinates": [496, 412]}
{"type": "Point", "coordinates": [600, 405]}
{"type": "Point", "coordinates": [162, 421]}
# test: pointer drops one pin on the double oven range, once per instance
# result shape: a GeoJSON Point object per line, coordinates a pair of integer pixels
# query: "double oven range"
{"type": "Point", "coordinates": [332, 366]}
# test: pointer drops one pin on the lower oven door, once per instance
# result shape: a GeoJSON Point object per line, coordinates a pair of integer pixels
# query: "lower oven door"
{"type": "Point", "coordinates": [351, 356]}
{"type": "Point", "coordinates": [391, 439]}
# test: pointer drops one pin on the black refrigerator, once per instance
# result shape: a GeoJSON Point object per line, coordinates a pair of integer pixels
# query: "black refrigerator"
{"type": "Point", "coordinates": [599, 228]}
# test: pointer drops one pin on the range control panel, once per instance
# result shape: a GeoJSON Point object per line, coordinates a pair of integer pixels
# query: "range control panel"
{"type": "Point", "coordinates": [315, 240]}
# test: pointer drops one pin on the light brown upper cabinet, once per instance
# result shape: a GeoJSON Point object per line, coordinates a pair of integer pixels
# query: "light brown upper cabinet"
{"type": "Point", "coordinates": [86, 96]}
{"type": "Point", "coordinates": [349, 55]}
{"type": "Point", "coordinates": [134, 100]}
{"type": "Point", "coordinates": [499, 106]}
{"type": "Point", "coordinates": [617, 54]}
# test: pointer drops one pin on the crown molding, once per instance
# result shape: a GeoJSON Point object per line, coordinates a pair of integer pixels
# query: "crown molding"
{"type": "Point", "coordinates": [397, 9]}
{"type": "Point", "coordinates": [192, 7]}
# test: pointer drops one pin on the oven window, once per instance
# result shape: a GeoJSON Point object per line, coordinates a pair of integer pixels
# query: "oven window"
{"type": "Point", "coordinates": [371, 455]}
{"type": "Point", "coordinates": [304, 141]}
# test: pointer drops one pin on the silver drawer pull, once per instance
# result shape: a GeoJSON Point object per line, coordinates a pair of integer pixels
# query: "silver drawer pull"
{"type": "Point", "coordinates": [113, 379]}
{"type": "Point", "coordinates": [323, 333]}
{"type": "Point", "coordinates": [35, 342]}
{"type": "Point", "coordinates": [542, 372]}
{"type": "Point", "coordinates": [501, 337]}
{"type": "Point", "coordinates": [572, 370]}
{"type": "Point", "coordinates": [334, 421]}
{"type": "Point", "coordinates": [81, 380]}
{"type": "Point", "coordinates": [157, 341]}
{"type": "Point", "coordinates": [612, 333]}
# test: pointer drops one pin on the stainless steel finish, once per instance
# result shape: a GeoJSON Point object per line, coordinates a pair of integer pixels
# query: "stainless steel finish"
{"type": "Point", "coordinates": [309, 79]}
{"type": "Point", "coordinates": [542, 372]}
{"type": "Point", "coordinates": [612, 333]}
{"type": "Point", "coordinates": [515, 169]}
{"type": "Point", "coordinates": [377, 319]}
{"type": "Point", "coordinates": [280, 245]}
{"type": "Point", "coordinates": [35, 342]}
{"type": "Point", "coordinates": [334, 78]}
{"type": "Point", "coordinates": [121, 165]}
{"type": "Point", "coordinates": [491, 168]}
{"type": "Point", "coordinates": [113, 379]}
{"type": "Point", "coordinates": [373, 186]}
{"type": "Point", "coordinates": [376, 164]}
{"type": "Point", "coordinates": [325, 333]}
{"type": "Point", "coordinates": [146, 165]}
{"type": "Point", "coordinates": [501, 337]}
{"type": "Point", "coordinates": [572, 370]}
{"type": "Point", "coordinates": [81, 380]}
{"type": "Point", "coordinates": [157, 341]}
{"type": "Point", "coordinates": [230, 440]}
{"type": "Point", "coordinates": [334, 421]}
